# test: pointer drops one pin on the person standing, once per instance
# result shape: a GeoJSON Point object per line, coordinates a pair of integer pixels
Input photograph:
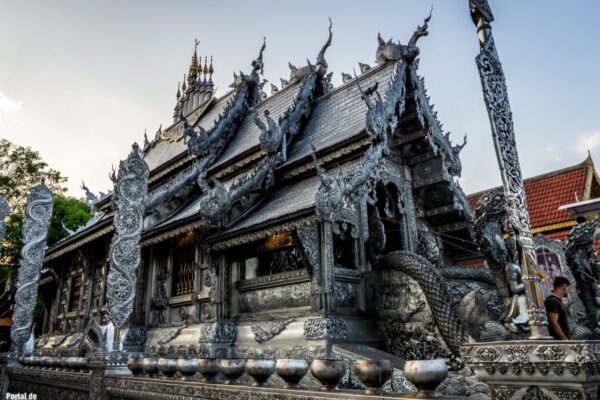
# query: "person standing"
{"type": "Point", "coordinates": [558, 323]}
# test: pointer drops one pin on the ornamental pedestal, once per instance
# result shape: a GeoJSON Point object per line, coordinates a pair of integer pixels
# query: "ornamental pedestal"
{"type": "Point", "coordinates": [7, 360]}
{"type": "Point", "coordinates": [532, 369]}
{"type": "Point", "coordinates": [104, 365]}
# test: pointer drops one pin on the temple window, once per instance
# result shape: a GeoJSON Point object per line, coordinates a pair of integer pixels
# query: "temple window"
{"type": "Point", "coordinates": [183, 270]}
{"type": "Point", "coordinates": [272, 255]}
{"type": "Point", "coordinates": [345, 251]}
{"type": "Point", "coordinates": [75, 293]}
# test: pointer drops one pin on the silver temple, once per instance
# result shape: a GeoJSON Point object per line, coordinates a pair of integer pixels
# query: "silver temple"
{"type": "Point", "coordinates": [316, 223]}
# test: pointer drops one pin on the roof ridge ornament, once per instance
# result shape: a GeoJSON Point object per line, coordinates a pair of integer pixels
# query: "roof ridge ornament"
{"type": "Point", "coordinates": [390, 51]}
{"type": "Point", "coordinates": [320, 67]}
{"type": "Point", "coordinates": [321, 62]}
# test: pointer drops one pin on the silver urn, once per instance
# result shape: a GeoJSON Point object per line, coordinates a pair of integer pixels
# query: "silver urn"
{"type": "Point", "coordinates": [426, 375]}
{"type": "Point", "coordinates": [373, 373]}
{"type": "Point", "coordinates": [260, 371]}
{"type": "Point", "coordinates": [233, 369]}
{"type": "Point", "coordinates": [291, 371]}
{"type": "Point", "coordinates": [208, 368]}
{"type": "Point", "coordinates": [135, 365]}
{"type": "Point", "coordinates": [150, 366]}
{"type": "Point", "coordinates": [328, 372]}
{"type": "Point", "coordinates": [187, 368]}
{"type": "Point", "coordinates": [168, 367]}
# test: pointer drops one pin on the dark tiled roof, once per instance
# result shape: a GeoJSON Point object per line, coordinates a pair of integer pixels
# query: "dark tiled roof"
{"type": "Point", "coordinates": [546, 193]}
{"type": "Point", "coordinates": [247, 136]}
{"type": "Point", "coordinates": [340, 115]}
{"type": "Point", "coordinates": [165, 150]}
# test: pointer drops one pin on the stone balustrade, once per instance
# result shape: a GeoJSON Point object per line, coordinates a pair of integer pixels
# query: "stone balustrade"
{"type": "Point", "coordinates": [138, 376]}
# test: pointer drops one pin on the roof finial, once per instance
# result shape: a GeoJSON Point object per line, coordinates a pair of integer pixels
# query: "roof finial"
{"type": "Point", "coordinates": [178, 95]}
{"type": "Point", "coordinates": [321, 63]}
{"type": "Point", "coordinates": [193, 73]}
{"type": "Point", "coordinates": [210, 68]}
{"type": "Point", "coordinates": [205, 71]}
{"type": "Point", "coordinates": [421, 30]}
{"type": "Point", "coordinates": [183, 86]}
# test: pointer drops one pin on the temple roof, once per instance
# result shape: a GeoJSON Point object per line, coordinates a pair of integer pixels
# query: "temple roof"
{"type": "Point", "coordinates": [337, 117]}
{"type": "Point", "coordinates": [165, 150]}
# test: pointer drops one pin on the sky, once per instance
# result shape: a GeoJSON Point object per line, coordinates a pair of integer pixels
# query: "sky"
{"type": "Point", "coordinates": [80, 81]}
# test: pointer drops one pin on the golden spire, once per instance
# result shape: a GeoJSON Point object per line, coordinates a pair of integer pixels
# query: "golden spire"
{"type": "Point", "coordinates": [184, 87]}
{"type": "Point", "coordinates": [205, 65]}
{"type": "Point", "coordinates": [210, 68]}
{"type": "Point", "coordinates": [178, 95]}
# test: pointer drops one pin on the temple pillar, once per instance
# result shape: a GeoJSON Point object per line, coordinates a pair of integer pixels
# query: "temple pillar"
{"type": "Point", "coordinates": [103, 365]}
{"type": "Point", "coordinates": [495, 94]}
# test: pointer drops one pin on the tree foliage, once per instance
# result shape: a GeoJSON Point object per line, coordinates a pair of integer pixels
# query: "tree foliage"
{"type": "Point", "coordinates": [20, 169]}
{"type": "Point", "coordinates": [67, 211]}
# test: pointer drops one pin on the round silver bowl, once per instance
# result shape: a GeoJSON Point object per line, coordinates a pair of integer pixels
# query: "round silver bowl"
{"type": "Point", "coordinates": [328, 372]}
{"type": "Point", "coordinates": [373, 373]}
{"type": "Point", "coordinates": [260, 371]}
{"type": "Point", "coordinates": [168, 367]}
{"type": "Point", "coordinates": [187, 368]}
{"type": "Point", "coordinates": [233, 369]}
{"type": "Point", "coordinates": [291, 371]}
{"type": "Point", "coordinates": [45, 361]}
{"type": "Point", "coordinates": [150, 366]}
{"type": "Point", "coordinates": [426, 375]}
{"type": "Point", "coordinates": [135, 365]}
{"type": "Point", "coordinates": [208, 368]}
{"type": "Point", "coordinates": [80, 363]}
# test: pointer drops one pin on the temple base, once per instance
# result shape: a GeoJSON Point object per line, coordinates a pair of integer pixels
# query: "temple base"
{"type": "Point", "coordinates": [537, 369]}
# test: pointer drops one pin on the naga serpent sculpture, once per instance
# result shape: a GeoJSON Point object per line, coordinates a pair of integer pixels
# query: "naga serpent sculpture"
{"type": "Point", "coordinates": [436, 292]}
{"type": "Point", "coordinates": [35, 233]}
{"type": "Point", "coordinates": [131, 192]}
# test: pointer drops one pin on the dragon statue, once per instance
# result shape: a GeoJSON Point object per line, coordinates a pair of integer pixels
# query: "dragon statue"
{"type": "Point", "coordinates": [131, 192]}
{"type": "Point", "coordinates": [35, 232]}
{"type": "Point", "coordinates": [491, 214]}
{"type": "Point", "coordinates": [585, 267]}
{"type": "Point", "coordinates": [436, 291]}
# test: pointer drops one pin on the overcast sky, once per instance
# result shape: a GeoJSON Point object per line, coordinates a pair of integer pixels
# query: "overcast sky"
{"type": "Point", "coordinates": [81, 80]}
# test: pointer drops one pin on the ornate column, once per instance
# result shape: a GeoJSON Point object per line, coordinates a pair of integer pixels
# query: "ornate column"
{"type": "Point", "coordinates": [131, 192]}
{"type": "Point", "coordinates": [496, 100]}
{"type": "Point", "coordinates": [35, 232]}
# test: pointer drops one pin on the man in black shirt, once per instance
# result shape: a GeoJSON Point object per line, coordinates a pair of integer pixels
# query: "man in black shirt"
{"type": "Point", "coordinates": [558, 323]}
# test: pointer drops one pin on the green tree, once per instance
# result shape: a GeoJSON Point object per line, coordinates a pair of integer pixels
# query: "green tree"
{"type": "Point", "coordinates": [20, 169]}
{"type": "Point", "coordinates": [67, 211]}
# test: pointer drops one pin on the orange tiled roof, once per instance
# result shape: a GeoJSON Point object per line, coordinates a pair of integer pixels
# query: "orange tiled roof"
{"type": "Point", "coordinates": [545, 193]}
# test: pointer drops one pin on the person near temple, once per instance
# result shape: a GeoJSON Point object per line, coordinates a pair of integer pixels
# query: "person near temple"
{"type": "Point", "coordinates": [558, 323]}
